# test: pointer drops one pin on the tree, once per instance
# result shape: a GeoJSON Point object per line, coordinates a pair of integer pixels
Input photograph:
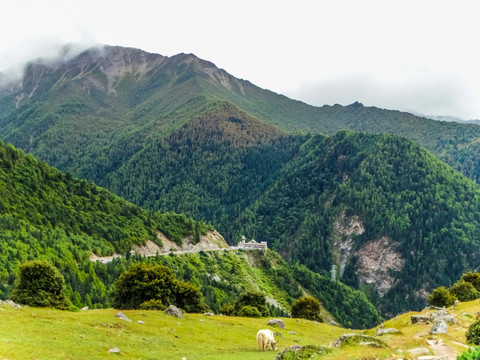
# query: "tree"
{"type": "Point", "coordinates": [470, 354]}
{"type": "Point", "coordinates": [189, 298]}
{"type": "Point", "coordinates": [307, 307]}
{"type": "Point", "coordinates": [464, 291]}
{"type": "Point", "coordinates": [473, 334]}
{"type": "Point", "coordinates": [473, 278]}
{"type": "Point", "coordinates": [39, 283]}
{"type": "Point", "coordinates": [142, 283]}
{"type": "Point", "coordinates": [441, 297]}
{"type": "Point", "coordinates": [146, 285]}
{"type": "Point", "coordinates": [227, 309]}
{"type": "Point", "coordinates": [252, 298]}
{"type": "Point", "coordinates": [249, 311]}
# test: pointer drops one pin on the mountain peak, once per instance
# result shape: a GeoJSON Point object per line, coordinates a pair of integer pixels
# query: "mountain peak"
{"type": "Point", "coordinates": [356, 105]}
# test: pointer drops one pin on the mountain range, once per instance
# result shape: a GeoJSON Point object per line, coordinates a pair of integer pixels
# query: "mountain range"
{"type": "Point", "coordinates": [362, 190]}
{"type": "Point", "coordinates": [48, 215]}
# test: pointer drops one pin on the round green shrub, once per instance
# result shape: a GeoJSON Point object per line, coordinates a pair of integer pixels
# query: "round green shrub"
{"type": "Point", "coordinates": [473, 334]}
{"type": "Point", "coordinates": [249, 311]}
{"type": "Point", "coordinates": [252, 298]}
{"type": "Point", "coordinates": [470, 354]}
{"type": "Point", "coordinates": [188, 297]}
{"type": "Point", "coordinates": [40, 284]}
{"type": "Point", "coordinates": [441, 297]}
{"type": "Point", "coordinates": [307, 307]}
{"type": "Point", "coordinates": [464, 291]}
{"type": "Point", "coordinates": [227, 309]}
{"type": "Point", "coordinates": [153, 304]}
{"type": "Point", "coordinates": [473, 278]}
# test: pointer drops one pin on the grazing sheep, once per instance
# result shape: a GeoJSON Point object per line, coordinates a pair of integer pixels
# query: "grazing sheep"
{"type": "Point", "coordinates": [264, 339]}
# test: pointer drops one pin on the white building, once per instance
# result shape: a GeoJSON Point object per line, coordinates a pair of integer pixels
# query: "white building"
{"type": "Point", "coordinates": [252, 244]}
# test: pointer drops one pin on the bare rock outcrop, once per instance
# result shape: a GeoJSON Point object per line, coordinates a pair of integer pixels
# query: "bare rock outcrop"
{"type": "Point", "coordinates": [211, 241]}
{"type": "Point", "coordinates": [377, 260]}
{"type": "Point", "coordinates": [356, 339]}
{"type": "Point", "coordinates": [122, 316]}
{"type": "Point", "coordinates": [345, 228]}
{"type": "Point", "coordinates": [174, 311]}
{"type": "Point", "coordinates": [277, 322]}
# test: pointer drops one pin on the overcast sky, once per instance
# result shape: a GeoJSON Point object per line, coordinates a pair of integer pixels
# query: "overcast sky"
{"type": "Point", "coordinates": [421, 56]}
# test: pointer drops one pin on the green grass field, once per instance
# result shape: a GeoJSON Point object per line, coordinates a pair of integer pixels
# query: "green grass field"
{"type": "Point", "coordinates": [47, 334]}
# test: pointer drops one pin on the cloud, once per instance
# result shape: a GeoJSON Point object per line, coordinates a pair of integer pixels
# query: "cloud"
{"type": "Point", "coordinates": [424, 92]}
{"type": "Point", "coordinates": [47, 48]}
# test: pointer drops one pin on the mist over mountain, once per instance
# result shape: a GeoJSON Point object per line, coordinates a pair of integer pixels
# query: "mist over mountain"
{"type": "Point", "coordinates": [179, 134]}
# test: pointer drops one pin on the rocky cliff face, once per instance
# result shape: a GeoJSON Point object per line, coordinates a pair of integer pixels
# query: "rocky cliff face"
{"type": "Point", "coordinates": [377, 261]}
{"type": "Point", "coordinates": [211, 241]}
{"type": "Point", "coordinates": [345, 228]}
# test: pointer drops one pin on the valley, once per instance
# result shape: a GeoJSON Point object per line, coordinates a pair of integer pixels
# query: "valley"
{"type": "Point", "coordinates": [147, 144]}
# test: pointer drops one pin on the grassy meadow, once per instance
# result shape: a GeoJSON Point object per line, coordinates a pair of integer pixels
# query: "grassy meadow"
{"type": "Point", "coordinates": [40, 333]}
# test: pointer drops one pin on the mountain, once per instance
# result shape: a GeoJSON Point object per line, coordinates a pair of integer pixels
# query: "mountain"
{"type": "Point", "coordinates": [45, 214]}
{"type": "Point", "coordinates": [114, 100]}
{"type": "Point", "coordinates": [450, 118]}
{"type": "Point", "coordinates": [388, 214]}
{"type": "Point", "coordinates": [178, 134]}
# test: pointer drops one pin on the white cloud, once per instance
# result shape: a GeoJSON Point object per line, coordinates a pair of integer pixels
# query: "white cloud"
{"type": "Point", "coordinates": [432, 93]}
{"type": "Point", "coordinates": [426, 50]}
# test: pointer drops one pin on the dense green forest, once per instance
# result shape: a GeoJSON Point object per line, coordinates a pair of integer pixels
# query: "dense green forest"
{"type": "Point", "coordinates": [48, 215]}
{"type": "Point", "coordinates": [397, 189]}
{"type": "Point", "coordinates": [290, 190]}
{"type": "Point", "coordinates": [94, 112]}
{"type": "Point", "coordinates": [45, 214]}
{"type": "Point", "coordinates": [249, 178]}
{"type": "Point", "coordinates": [211, 168]}
{"type": "Point", "coordinates": [178, 134]}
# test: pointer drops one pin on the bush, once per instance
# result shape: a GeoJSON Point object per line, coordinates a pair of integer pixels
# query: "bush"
{"type": "Point", "coordinates": [473, 334]}
{"type": "Point", "coordinates": [143, 283]}
{"type": "Point", "coordinates": [441, 297]}
{"type": "Point", "coordinates": [152, 304]}
{"type": "Point", "coordinates": [249, 311]}
{"type": "Point", "coordinates": [39, 283]}
{"type": "Point", "coordinates": [189, 298]}
{"type": "Point", "coordinates": [227, 309]}
{"type": "Point", "coordinates": [307, 307]}
{"type": "Point", "coordinates": [470, 354]}
{"type": "Point", "coordinates": [473, 278]}
{"type": "Point", "coordinates": [254, 299]}
{"type": "Point", "coordinates": [464, 291]}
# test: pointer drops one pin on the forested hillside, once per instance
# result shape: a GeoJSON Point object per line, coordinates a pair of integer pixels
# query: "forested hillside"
{"type": "Point", "coordinates": [91, 114]}
{"type": "Point", "coordinates": [212, 168]}
{"type": "Point", "coordinates": [178, 134]}
{"type": "Point", "coordinates": [395, 190]}
{"type": "Point", "coordinates": [45, 214]}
